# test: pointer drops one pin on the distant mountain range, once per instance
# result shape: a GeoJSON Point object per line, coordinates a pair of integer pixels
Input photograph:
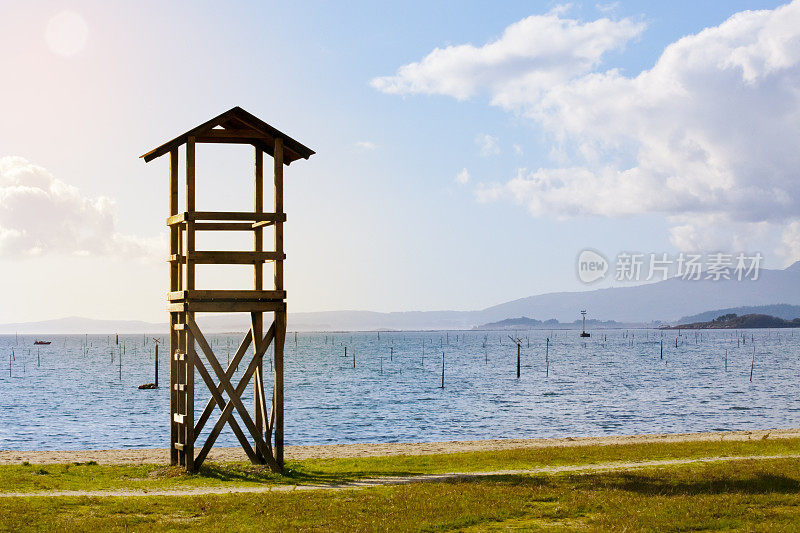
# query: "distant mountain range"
{"type": "Point", "coordinates": [666, 301]}
{"type": "Point", "coordinates": [76, 324]}
{"type": "Point", "coordinates": [784, 311]}
{"type": "Point", "coordinates": [524, 322]}
{"type": "Point", "coordinates": [734, 321]}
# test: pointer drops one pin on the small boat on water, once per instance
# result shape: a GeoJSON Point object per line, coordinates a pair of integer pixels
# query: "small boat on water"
{"type": "Point", "coordinates": [42, 342]}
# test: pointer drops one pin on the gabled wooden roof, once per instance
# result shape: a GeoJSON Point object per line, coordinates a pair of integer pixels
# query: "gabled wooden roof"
{"type": "Point", "coordinates": [237, 126]}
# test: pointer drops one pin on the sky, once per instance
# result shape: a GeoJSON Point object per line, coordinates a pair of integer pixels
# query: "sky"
{"type": "Point", "coordinates": [466, 152]}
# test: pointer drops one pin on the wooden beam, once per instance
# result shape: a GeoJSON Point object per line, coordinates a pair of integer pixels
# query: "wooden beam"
{"type": "Point", "coordinates": [223, 226]}
{"type": "Point", "coordinates": [245, 133]}
{"type": "Point", "coordinates": [225, 295]}
{"type": "Point", "coordinates": [205, 139]}
{"type": "Point", "coordinates": [225, 215]}
{"type": "Point", "coordinates": [224, 257]}
{"type": "Point", "coordinates": [227, 306]}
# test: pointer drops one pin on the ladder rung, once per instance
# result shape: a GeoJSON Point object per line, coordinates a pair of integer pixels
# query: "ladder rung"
{"type": "Point", "coordinates": [179, 327]}
{"type": "Point", "coordinates": [179, 387]}
{"type": "Point", "coordinates": [179, 356]}
{"type": "Point", "coordinates": [178, 446]}
{"type": "Point", "coordinates": [177, 418]}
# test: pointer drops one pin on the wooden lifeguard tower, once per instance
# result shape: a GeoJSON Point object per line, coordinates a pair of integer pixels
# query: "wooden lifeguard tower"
{"type": "Point", "coordinates": [235, 126]}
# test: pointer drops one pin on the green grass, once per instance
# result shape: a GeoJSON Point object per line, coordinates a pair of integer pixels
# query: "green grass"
{"type": "Point", "coordinates": [762, 495]}
{"type": "Point", "coordinates": [26, 478]}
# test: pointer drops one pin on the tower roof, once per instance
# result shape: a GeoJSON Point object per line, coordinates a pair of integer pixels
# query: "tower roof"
{"type": "Point", "coordinates": [237, 126]}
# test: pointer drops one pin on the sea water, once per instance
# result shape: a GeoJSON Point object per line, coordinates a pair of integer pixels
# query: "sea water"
{"type": "Point", "coordinates": [76, 393]}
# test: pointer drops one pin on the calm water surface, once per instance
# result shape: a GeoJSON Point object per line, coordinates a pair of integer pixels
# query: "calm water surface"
{"type": "Point", "coordinates": [75, 394]}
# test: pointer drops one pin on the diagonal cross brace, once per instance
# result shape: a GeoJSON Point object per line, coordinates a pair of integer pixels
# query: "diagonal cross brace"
{"type": "Point", "coordinates": [232, 366]}
{"type": "Point", "coordinates": [258, 381]}
{"type": "Point", "coordinates": [233, 394]}
{"type": "Point", "coordinates": [217, 396]}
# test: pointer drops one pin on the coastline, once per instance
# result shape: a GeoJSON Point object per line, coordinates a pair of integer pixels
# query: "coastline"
{"type": "Point", "coordinates": [138, 456]}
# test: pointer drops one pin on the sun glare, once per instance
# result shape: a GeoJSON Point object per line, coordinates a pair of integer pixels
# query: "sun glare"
{"type": "Point", "coordinates": [66, 33]}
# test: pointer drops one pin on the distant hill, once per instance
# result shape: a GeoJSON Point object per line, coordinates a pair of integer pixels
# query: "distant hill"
{"type": "Point", "coordinates": [76, 324]}
{"type": "Point", "coordinates": [733, 321]}
{"type": "Point", "coordinates": [524, 322]}
{"type": "Point", "coordinates": [784, 311]}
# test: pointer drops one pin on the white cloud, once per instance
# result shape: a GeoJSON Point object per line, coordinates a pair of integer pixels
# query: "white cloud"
{"type": "Point", "coordinates": [366, 145]}
{"type": "Point", "coordinates": [487, 145]}
{"type": "Point", "coordinates": [708, 137]}
{"type": "Point", "coordinates": [462, 177]}
{"type": "Point", "coordinates": [790, 243]}
{"type": "Point", "coordinates": [40, 214]}
{"type": "Point", "coordinates": [518, 149]}
{"type": "Point", "coordinates": [531, 55]}
{"type": "Point", "coordinates": [607, 8]}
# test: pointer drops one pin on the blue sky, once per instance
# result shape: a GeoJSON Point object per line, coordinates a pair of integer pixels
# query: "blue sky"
{"type": "Point", "coordinates": [377, 219]}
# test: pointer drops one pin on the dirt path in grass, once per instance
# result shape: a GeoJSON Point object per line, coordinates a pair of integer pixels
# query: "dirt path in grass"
{"type": "Point", "coordinates": [333, 451]}
{"type": "Point", "coordinates": [391, 480]}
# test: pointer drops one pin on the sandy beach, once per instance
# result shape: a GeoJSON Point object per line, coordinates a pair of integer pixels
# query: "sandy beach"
{"type": "Point", "coordinates": [331, 451]}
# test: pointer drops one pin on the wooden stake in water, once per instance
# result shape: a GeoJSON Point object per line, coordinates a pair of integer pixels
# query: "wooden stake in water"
{"type": "Point", "coordinates": [662, 348]}
{"type": "Point", "coordinates": [391, 353]}
{"type": "Point", "coordinates": [354, 357]}
{"type": "Point", "coordinates": [726, 359]}
{"type": "Point", "coordinates": [157, 365]}
{"type": "Point", "coordinates": [547, 357]}
{"type": "Point", "coordinates": [442, 369]}
{"type": "Point", "coordinates": [752, 364]}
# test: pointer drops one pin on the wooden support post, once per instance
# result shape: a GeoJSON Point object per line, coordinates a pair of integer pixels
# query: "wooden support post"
{"type": "Point", "coordinates": [258, 284]}
{"type": "Point", "coordinates": [174, 285]}
{"type": "Point", "coordinates": [280, 316]}
{"type": "Point", "coordinates": [188, 419]}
